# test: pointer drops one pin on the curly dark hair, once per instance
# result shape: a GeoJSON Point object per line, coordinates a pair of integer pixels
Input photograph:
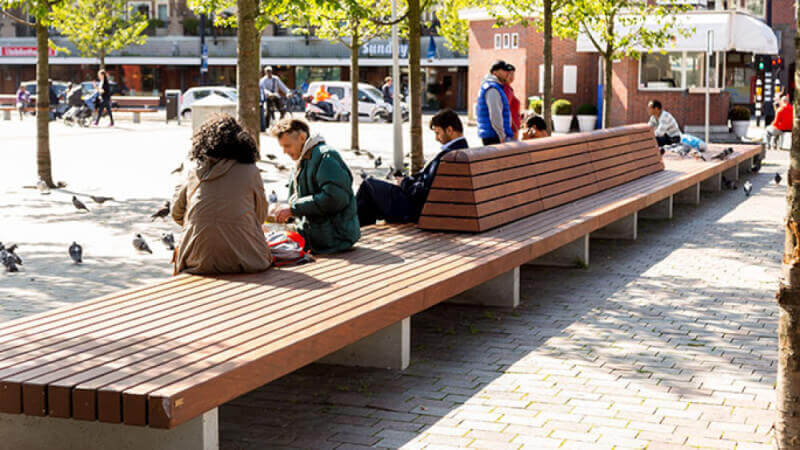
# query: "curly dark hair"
{"type": "Point", "coordinates": [222, 136]}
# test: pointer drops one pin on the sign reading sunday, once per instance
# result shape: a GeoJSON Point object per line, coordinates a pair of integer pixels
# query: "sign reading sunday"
{"type": "Point", "coordinates": [22, 51]}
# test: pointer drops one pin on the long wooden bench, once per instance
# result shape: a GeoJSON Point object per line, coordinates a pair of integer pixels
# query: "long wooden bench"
{"type": "Point", "coordinates": [481, 188]}
{"type": "Point", "coordinates": [135, 104]}
{"type": "Point", "coordinates": [166, 355]}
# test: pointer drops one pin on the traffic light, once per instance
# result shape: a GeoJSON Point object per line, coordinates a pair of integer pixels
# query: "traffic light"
{"type": "Point", "coordinates": [761, 65]}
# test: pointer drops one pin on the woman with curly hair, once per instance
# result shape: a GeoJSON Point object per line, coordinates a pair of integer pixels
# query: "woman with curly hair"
{"type": "Point", "coordinates": [222, 205]}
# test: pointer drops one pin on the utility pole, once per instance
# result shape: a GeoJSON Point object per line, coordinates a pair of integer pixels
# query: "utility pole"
{"type": "Point", "coordinates": [203, 50]}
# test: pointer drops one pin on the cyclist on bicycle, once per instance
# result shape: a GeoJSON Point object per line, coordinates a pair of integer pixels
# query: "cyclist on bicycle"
{"type": "Point", "coordinates": [271, 88]}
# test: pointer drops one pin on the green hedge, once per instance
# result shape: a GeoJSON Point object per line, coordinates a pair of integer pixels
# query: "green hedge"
{"type": "Point", "coordinates": [587, 109]}
{"type": "Point", "coordinates": [739, 113]}
{"type": "Point", "coordinates": [562, 107]}
{"type": "Point", "coordinates": [535, 105]}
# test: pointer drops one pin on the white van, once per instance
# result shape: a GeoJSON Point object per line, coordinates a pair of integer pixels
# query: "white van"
{"type": "Point", "coordinates": [370, 99]}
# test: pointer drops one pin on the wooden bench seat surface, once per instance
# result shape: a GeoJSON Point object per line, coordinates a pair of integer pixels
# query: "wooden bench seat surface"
{"type": "Point", "coordinates": [162, 354]}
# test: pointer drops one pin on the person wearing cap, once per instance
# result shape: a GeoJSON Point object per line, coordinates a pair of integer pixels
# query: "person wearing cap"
{"type": "Point", "coordinates": [270, 87]}
{"type": "Point", "coordinates": [513, 102]}
{"type": "Point", "coordinates": [494, 112]}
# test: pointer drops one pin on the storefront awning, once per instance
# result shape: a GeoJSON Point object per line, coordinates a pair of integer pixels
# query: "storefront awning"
{"type": "Point", "coordinates": [733, 31]}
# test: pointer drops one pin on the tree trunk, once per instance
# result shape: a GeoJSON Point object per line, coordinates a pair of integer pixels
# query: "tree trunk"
{"type": "Point", "coordinates": [354, 39]}
{"type": "Point", "coordinates": [248, 60]}
{"type": "Point", "coordinates": [787, 425]}
{"type": "Point", "coordinates": [607, 68]}
{"type": "Point", "coordinates": [102, 58]}
{"type": "Point", "coordinates": [414, 86]}
{"type": "Point", "coordinates": [43, 164]}
{"type": "Point", "coordinates": [548, 62]}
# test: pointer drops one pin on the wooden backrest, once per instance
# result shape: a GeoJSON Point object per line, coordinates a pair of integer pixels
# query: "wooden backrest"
{"type": "Point", "coordinates": [482, 188]}
{"type": "Point", "coordinates": [124, 101]}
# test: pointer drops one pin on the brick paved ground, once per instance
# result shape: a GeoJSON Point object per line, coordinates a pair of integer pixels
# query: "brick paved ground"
{"type": "Point", "coordinates": [668, 341]}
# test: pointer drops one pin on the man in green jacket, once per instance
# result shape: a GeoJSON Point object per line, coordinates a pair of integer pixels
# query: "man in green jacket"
{"type": "Point", "coordinates": [321, 191]}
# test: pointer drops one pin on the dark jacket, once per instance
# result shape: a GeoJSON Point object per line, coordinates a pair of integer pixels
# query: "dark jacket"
{"type": "Point", "coordinates": [418, 185]}
{"type": "Point", "coordinates": [325, 204]}
{"type": "Point", "coordinates": [105, 86]}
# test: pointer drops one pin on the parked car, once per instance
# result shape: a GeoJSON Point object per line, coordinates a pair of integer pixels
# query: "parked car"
{"type": "Point", "coordinates": [60, 87]}
{"type": "Point", "coordinates": [370, 99]}
{"type": "Point", "coordinates": [196, 93]}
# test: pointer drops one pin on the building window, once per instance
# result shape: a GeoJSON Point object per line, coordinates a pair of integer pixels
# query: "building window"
{"type": "Point", "coordinates": [541, 78]}
{"type": "Point", "coordinates": [514, 40]}
{"type": "Point", "coordinates": [756, 7]}
{"type": "Point", "coordinates": [570, 85]}
{"type": "Point", "coordinates": [660, 71]}
{"type": "Point", "coordinates": [162, 12]}
{"type": "Point", "coordinates": [679, 70]}
{"type": "Point", "coordinates": [498, 38]}
{"type": "Point", "coordinates": [506, 40]}
{"type": "Point", "coordinates": [142, 8]}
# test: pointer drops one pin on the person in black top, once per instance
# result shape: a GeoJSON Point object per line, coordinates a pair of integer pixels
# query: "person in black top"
{"type": "Point", "coordinates": [388, 90]}
{"type": "Point", "coordinates": [104, 89]}
{"type": "Point", "coordinates": [402, 202]}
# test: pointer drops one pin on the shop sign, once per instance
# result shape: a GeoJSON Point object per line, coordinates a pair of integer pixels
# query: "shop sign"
{"type": "Point", "coordinates": [22, 51]}
{"type": "Point", "coordinates": [382, 50]}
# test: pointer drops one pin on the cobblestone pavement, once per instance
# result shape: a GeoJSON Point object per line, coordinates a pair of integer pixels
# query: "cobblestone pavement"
{"type": "Point", "coordinates": [665, 342]}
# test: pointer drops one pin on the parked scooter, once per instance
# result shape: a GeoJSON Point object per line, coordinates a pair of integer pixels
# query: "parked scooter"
{"type": "Point", "coordinates": [315, 111]}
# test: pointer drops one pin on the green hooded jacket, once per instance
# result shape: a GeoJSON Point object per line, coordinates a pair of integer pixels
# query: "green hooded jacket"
{"type": "Point", "coordinates": [325, 204]}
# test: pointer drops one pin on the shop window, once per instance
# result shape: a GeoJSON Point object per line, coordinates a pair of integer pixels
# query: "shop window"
{"type": "Point", "coordinates": [514, 40]}
{"type": "Point", "coordinates": [506, 40]}
{"type": "Point", "coordinates": [756, 7]}
{"type": "Point", "coordinates": [660, 71]}
{"type": "Point", "coordinates": [498, 41]}
{"type": "Point", "coordinates": [570, 85]}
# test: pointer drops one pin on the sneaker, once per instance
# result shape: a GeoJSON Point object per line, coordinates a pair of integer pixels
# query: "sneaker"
{"type": "Point", "coordinates": [110, 125]}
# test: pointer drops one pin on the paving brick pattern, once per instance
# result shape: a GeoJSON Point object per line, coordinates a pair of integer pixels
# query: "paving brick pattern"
{"type": "Point", "coordinates": [664, 342]}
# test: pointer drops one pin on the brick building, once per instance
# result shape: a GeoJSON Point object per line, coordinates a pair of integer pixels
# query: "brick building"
{"type": "Point", "coordinates": [676, 77]}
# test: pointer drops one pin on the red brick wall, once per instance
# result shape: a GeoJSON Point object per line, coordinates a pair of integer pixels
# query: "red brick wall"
{"type": "Point", "coordinates": [527, 59]}
{"type": "Point", "coordinates": [629, 104]}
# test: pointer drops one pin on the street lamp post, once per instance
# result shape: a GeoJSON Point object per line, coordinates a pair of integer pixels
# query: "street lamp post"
{"type": "Point", "coordinates": [397, 118]}
{"type": "Point", "coordinates": [709, 49]}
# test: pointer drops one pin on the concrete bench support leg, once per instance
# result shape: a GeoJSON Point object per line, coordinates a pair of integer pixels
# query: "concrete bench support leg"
{"type": "Point", "coordinates": [6, 114]}
{"type": "Point", "coordinates": [389, 348]}
{"type": "Point", "coordinates": [22, 432]}
{"type": "Point", "coordinates": [688, 196]}
{"type": "Point", "coordinates": [500, 291]}
{"type": "Point", "coordinates": [137, 117]}
{"type": "Point", "coordinates": [746, 166]}
{"type": "Point", "coordinates": [625, 228]}
{"type": "Point", "coordinates": [574, 254]}
{"type": "Point", "coordinates": [732, 174]}
{"type": "Point", "coordinates": [659, 211]}
{"type": "Point", "coordinates": [712, 184]}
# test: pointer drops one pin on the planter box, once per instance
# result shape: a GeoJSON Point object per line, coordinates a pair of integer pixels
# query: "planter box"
{"type": "Point", "coordinates": [561, 124]}
{"type": "Point", "coordinates": [740, 127]}
{"type": "Point", "coordinates": [587, 122]}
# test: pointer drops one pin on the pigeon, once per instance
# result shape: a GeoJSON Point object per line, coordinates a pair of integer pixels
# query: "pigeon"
{"type": "Point", "coordinates": [140, 244]}
{"type": "Point", "coordinates": [178, 169]}
{"type": "Point", "coordinates": [270, 156]}
{"type": "Point", "coordinates": [11, 255]}
{"type": "Point", "coordinates": [378, 162]}
{"type": "Point", "coordinates": [369, 154]}
{"type": "Point", "coordinates": [756, 166]}
{"type": "Point", "coordinates": [777, 178]}
{"type": "Point", "coordinates": [389, 174]}
{"type": "Point", "coordinates": [100, 199]}
{"type": "Point", "coordinates": [79, 204]}
{"type": "Point", "coordinates": [8, 261]}
{"type": "Point", "coordinates": [273, 197]}
{"type": "Point", "coordinates": [44, 189]}
{"type": "Point", "coordinates": [169, 240]}
{"type": "Point", "coordinates": [363, 174]}
{"type": "Point", "coordinates": [76, 252]}
{"type": "Point", "coordinates": [161, 213]}
{"type": "Point", "coordinates": [748, 188]}
{"type": "Point", "coordinates": [281, 167]}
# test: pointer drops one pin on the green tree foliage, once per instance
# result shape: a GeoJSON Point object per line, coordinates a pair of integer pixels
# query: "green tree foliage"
{"type": "Point", "coordinates": [624, 28]}
{"type": "Point", "coordinates": [99, 27]}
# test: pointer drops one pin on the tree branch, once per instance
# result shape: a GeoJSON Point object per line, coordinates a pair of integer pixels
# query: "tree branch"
{"type": "Point", "coordinates": [399, 19]}
{"type": "Point", "coordinates": [17, 19]}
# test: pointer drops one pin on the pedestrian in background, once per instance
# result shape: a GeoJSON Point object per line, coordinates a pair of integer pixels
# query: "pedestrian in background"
{"type": "Point", "coordinates": [513, 102]}
{"type": "Point", "coordinates": [104, 91]}
{"type": "Point", "coordinates": [493, 111]}
{"type": "Point", "coordinates": [23, 97]}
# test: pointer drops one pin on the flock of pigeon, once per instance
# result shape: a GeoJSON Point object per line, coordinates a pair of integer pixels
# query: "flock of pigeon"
{"type": "Point", "coordinates": [10, 260]}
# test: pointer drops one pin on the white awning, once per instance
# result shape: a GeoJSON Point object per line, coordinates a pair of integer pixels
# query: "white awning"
{"type": "Point", "coordinates": [733, 31]}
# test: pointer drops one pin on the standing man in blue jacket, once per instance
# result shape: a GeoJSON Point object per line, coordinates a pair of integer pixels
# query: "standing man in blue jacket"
{"type": "Point", "coordinates": [494, 114]}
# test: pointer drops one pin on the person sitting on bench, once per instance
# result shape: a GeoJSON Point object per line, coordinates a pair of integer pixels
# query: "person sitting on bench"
{"type": "Point", "coordinates": [402, 202]}
{"type": "Point", "coordinates": [781, 124]}
{"type": "Point", "coordinates": [320, 192]}
{"type": "Point", "coordinates": [666, 127]}
{"type": "Point", "coordinates": [222, 205]}
{"type": "Point", "coordinates": [536, 128]}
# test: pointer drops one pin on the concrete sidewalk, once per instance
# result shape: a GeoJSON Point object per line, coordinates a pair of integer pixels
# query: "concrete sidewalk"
{"type": "Point", "coordinates": [664, 342]}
